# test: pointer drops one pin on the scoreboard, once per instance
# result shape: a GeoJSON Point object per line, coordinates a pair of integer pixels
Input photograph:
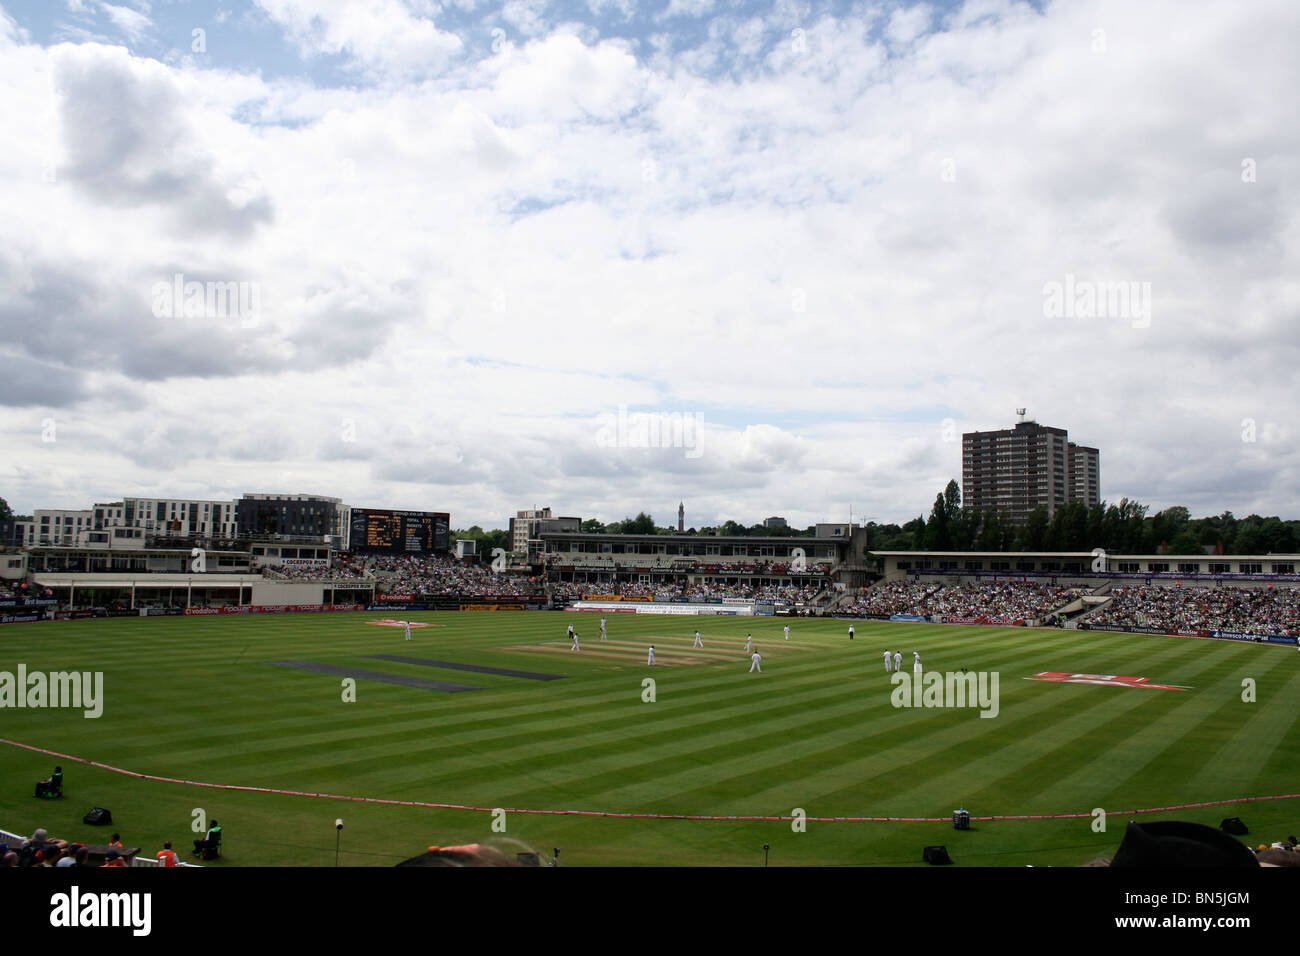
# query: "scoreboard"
{"type": "Point", "coordinates": [399, 532]}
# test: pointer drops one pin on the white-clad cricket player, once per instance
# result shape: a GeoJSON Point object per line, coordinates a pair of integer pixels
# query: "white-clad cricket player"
{"type": "Point", "coordinates": [651, 658]}
{"type": "Point", "coordinates": [574, 634]}
{"type": "Point", "coordinates": [698, 642]}
{"type": "Point", "coordinates": [602, 628]}
{"type": "Point", "coordinates": [916, 662]}
{"type": "Point", "coordinates": [886, 662]}
{"type": "Point", "coordinates": [787, 632]}
{"type": "Point", "coordinates": [749, 643]}
{"type": "Point", "coordinates": [850, 632]}
{"type": "Point", "coordinates": [898, 660]}
{"type": "Point", "coordinates": [754, 665]}
{"type": "Point", "coordinates": [408, 629]}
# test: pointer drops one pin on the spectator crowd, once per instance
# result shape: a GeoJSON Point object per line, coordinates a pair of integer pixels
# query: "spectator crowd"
{"type": "Point", "coordinates": [1003, 600]}
{"type": "Point", "coordinates": [1268, 610]}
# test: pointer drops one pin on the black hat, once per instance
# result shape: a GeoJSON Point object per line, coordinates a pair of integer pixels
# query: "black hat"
{"type": "Point", "coordinates": [1174, 843]}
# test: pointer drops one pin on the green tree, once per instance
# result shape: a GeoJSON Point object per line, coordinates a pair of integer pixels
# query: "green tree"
{"type": "Point", "coordinates": [591, 526]}
{"type": "Point", "coordinates": [938, 536]}
{"type": "Point", "coordinates": [5, 513]}
{"type": "Point", "coordinates": [1033, 536]}
{"type": "Point", "coordinates": [641, 524]}
{"type": "Point", "coordinates": [1185, 543]}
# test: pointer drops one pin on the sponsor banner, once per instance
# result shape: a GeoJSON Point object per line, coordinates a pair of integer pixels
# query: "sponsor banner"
{"type": "Point", "coordinates": [122, 612]}
{"type": "Point", "coordinates": [161, 611]}
{"type": "Point", "coordinates": [27, 602]}
{"type": "Point", "coordinates": [22, 617]}
{"type": "Point", "coordinates": [493, 607]}
{"type": "Point", "coordinates": [961, 620]}
{"type": "Point", "coordinates": [1186, 633]}
{"type": "Point", "coordinates": [907, 617]}
{"type": "Point", "coordinates": [393, 598]}
{"type": "Point", "coordinates": [1109, 680]}
{"type": "Point", "coordinates": [389, 607]}
{"type": "Point", "coordinates": [662, 608]}
{"type": "Point", "coordinates": [304, 562]}
{"type": "Point", "coordinates": [270, 609]}
{"type": "Point", "coordinates": [1244, 636]}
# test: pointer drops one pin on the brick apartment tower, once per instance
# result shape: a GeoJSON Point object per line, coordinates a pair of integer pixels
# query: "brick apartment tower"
{"type": "Point", "coordinates": [1015, 470]}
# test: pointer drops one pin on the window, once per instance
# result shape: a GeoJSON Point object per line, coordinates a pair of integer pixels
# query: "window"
{"type": "Point", "coordinates": [1187, 567]}
{"type": "Point", "coordinates": [1283, 568]}
{"type": "Point", "coordinates": [1159, 567]}
{"type": "Point", "coordinates": [1219, 568]}
{"type": "Point", "coordinates": [1248, 567]}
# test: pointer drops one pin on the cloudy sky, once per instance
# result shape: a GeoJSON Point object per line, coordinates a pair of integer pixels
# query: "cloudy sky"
{"type": "Point", "coordinates": [454, 255]}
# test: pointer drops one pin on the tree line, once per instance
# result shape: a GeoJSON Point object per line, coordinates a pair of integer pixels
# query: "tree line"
{"type": "Point", "coordinates": [1123, 528]}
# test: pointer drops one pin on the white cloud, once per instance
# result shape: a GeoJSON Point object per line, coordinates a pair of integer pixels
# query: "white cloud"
{"type": "Point", "coordinates": [824, 253]}
{"type": "Point", "coordinates": [383, 37]}
{"type": "Point", "coordinates": [131, 22]}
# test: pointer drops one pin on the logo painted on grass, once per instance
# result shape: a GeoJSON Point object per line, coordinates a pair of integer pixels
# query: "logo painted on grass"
{"type": "Point", "coordinates": [1110, 680]}
{"type": "Point", "coordinates": [948, 690]}
{"type": "Point", "coordinates": [390, 622]}
{"type": "Point", "coordinates": [76, 689]}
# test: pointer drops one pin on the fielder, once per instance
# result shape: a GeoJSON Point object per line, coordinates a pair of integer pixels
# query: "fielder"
{"type": "Point", "coordinates": [408, 629]}
{"type": "Point", "coordinates": [749, 643]}
{"type": "Point", "coordinates": [651, 658]}
{"type": "Point", "coordinates": [898, 660]}
{"type": "Point", "coordinates": [602, 628]}
{"type": "Point", "coordinates": [754, 663]}
{"type": "Point", "coordinates": [698, 642]}
{"type": "Point", "coordinates": [886, 662]}
{"type": "Point", "coordinates": [850, 632]}
{"type": "Point", "coordinates": [574, 634]}
{"type": "Point", "coordinates": [787, 632]}
{"type": "Point", "coordinates": [916, 662]}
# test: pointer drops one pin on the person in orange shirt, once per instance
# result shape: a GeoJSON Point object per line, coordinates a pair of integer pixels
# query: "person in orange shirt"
{"type": "Point", "coordinates": [114, 859]}
{"type": "Point", "coordinates": [166, 856]}
{"type": "Point", "coordinates": [115, 840]}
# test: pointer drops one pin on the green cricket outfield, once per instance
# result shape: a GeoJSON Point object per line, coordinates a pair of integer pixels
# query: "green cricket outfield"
{"type": "Point", "coordinates": [215, 700]}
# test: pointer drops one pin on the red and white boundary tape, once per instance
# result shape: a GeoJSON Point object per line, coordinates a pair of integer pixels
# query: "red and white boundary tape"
{"type": "Point", "coordinates": [632, 816]}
